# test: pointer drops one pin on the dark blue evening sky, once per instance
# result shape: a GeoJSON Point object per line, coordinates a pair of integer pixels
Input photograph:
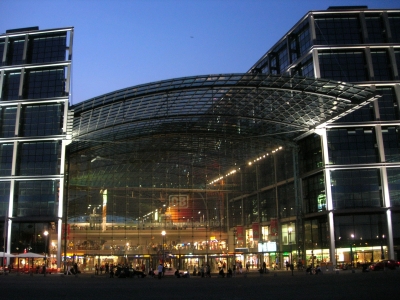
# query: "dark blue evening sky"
{"type": "Point", "coordinates": [122, 43]}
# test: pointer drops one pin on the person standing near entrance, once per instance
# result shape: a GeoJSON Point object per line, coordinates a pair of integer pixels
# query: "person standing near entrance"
{"type": "Point", "coordinates": [264, 266]}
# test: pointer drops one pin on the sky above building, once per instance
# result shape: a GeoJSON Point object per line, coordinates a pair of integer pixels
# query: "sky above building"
{"type": "Point", "coordinates": [123, 43]}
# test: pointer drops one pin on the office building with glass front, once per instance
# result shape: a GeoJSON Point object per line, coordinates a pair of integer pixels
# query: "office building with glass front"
{"type": "Point", "coordinates": [34, 95]}
{"type": "Point", "coordinates": [349, 170]}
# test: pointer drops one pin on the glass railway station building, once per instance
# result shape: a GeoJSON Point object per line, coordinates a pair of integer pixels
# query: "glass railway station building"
{"type": "Point", "coordinates": [295, 160]}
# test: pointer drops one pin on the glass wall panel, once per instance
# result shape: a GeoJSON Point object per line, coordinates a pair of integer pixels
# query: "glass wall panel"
{"type": "Point", "coordinates": [28, 237]}
{"type": "Point", "coordinates": [391, 143]}
{"type": "Point", "coordinates": [236, 213]}
{"type": "Point", "coordinates": [394, 186]}
{"type": "Point", "coordinates": [356, 188]}
{"type": "Point", "coordinates": [4, 198]}
{"type": "Point", "coordinates": [349, 66]}
{"type": "Point", "coordinates": [316, 234]}
{"type": "Point", "coordinates": [15, 51]}
{"type": "Point", "coordinates": [337, 30]}
{"type": "Point", "coordinates": [38, 158]}
{"type": "Point", "coordinates": [284, 165]}
{"type": "Point", "coordinates": [249, 179]}
{"type": "Point", "coordinates": [36, 198]}
{"type": "Point", "coordinates": [44, 84]}
{"type": "Point", "coordinates": [7, 121]}
{"type": "Point", "coordinates": [268, 205]}
{"type": "Point", "coordinates": [6, 154]}
{"type": "Point", "coordinates": [375, 29]}
{"type": "Point", "coordinates": [283, 58]}
{"type": "Point", "coordinates": [287, 201]}
{"type": "Point", "coordinates": [397, 56]}
{"type": "Point", "coordinates": [2, 43]}
{"type": "Point", "coordinates": [11, 86]}
{"type": "Point", "coordinates": [46, 48]}
{"type": "Point", "coordinates": [314, 196]}
{"type": "Point", "coordinates": [278, 58]}
{"type": "Point", "coordinates": [310, 154]}
{"type": "Point", "coordinates": [364, 230]}
{"type": "Point", "coordinates": [304, 68]}
{"type": "Point", "coordinates": [394, 21]}
{"type": "Point", "coordinates": [396, 227]}
{"type": "Point", "coordinates": [388, 109]}
{"type": "Point", "coordinates": [266, 172]}
{"type": "Point", "coordinates": [352, 146]}
{"type": "Point", "coordinates": [288, 238]}
{"type": "Point", "coordinates": [299, 41]}
{"type": "Point", "coordinates": [41, 120]}
{"type": "Point", "coordinates": [381, 65]}
{"type": "Point", "coordinates": [273, 63]}
{"type": "Point", "coordinates": [365, 113]}
{"type": "Point", "coordinates": [250, 209]}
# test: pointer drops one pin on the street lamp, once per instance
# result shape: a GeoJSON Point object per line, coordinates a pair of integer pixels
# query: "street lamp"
{"type": "Point", "coordinates": [163, 233]}
{"type": "Point", "coordinates": [46, 233]}
{"type": "Point", "coordinates": [17, 259]}
{"type": "Point", "coordinates": [234, 247]}
{"type": "Point", "coordinates": [291, 254]}
{"type": "Point", "coordinates": [382, 253]}
{"type": "Point", "coordinates": [351, 250]}
{"type": "Point", "coordinates": [126, 253]}
{"type": "Point", "coordinates": [53, 250]}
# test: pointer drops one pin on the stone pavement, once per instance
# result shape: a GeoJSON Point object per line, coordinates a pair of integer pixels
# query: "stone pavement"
{"type": "Point", "coordinates": [276, 284]}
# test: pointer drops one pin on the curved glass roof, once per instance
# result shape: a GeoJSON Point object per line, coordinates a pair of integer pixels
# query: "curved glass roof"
{"type": "Point", "coordinates": [217, 121]}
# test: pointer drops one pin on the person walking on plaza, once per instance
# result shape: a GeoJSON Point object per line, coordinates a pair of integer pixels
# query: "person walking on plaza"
{"type": "Point", "coordinates": [247, 266]}
{"type": "Point", "coordinates": [195, 271]}
{"type": "Point", "coordinates": [112, 271]}
{"type": "Point", "coordinates": [160, 270]}
{"type": "Point", "coordinates": [107, 268]}
{"type": "Point", "coordinates": [208, 270]}
{"type": "Point", "coordinates": [264, 267]}
{"type": "Point", "coordinates": [69, 269]}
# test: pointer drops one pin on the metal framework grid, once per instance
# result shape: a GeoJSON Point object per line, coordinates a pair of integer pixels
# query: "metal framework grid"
{"type": "Point", "coordinates": [218, 121]}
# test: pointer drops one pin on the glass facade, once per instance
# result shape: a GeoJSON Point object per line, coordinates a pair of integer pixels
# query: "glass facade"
{"type": "Point", "coordinates": [47, 48]}
{"type": "Point", "coordinates": [337, 29]}
{"type": "Point", "coordinates": [359, 188]}
{"type": "Point", "coordinates": [270, 172]}
{"type": "Point", "coordinates": [41, 120]}
{"type": "Point", "coordinates": [314, 196]}
{"type": "Point", "coordinates": [347, 166]}
{"type": "Point", "coordinates": [375, 28]}
{"type": "Point", "coordinates": [33, 130]}
{"type": "Point", "coordinates": [352, 146]}
{"type": "Point", "coordinates": [349, 66]}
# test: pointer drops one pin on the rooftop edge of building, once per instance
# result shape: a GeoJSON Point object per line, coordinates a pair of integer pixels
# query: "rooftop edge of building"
{"type": "Point", "coordinates": [25, 29]}
{"type": "Point", "coordinates": [345, 7]}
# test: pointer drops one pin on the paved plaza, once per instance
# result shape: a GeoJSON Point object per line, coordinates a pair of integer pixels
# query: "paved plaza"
{"type": "Point", "coordinates": [277, 285]}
